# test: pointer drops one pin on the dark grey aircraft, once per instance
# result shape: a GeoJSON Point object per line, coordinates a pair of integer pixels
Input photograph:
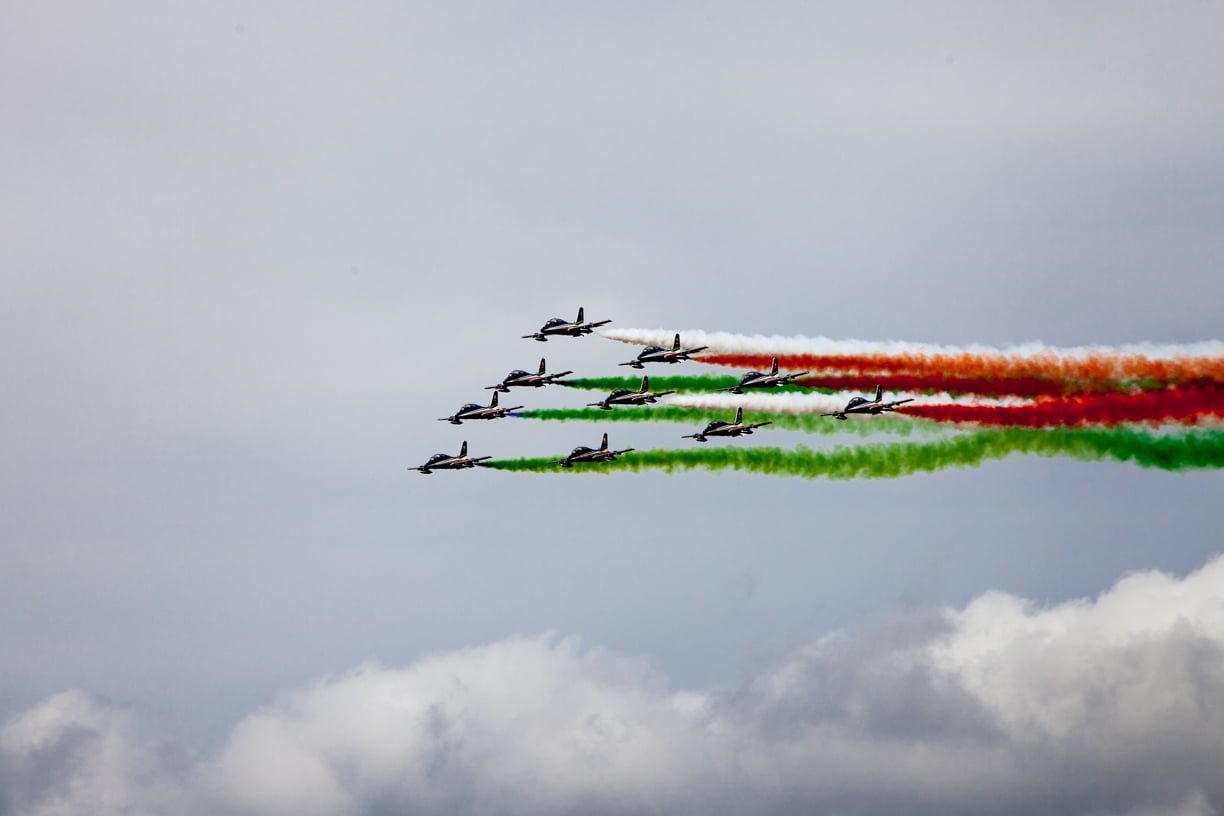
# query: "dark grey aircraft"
{"type": "Point", "coordinates": [862, 405]}
{"type": "Point", "coordinates": [658, 354]}
{"type": "Point", "coordinates": [522, 379]}
{"type": "Point", "coordinates": [720, 428]}
{"type": "Point", "coordinates": [556, 327]}
{"type": "Point", "coordinates": [623, 396]}
{"type": "Point", "coordinates": [755, 379]}
{"type": "Point", "coordinates": [474, 411]}
{"type": "Point", "coordinates": [443, 461]}
{"type": "Point", "coordinates": [583, 454]}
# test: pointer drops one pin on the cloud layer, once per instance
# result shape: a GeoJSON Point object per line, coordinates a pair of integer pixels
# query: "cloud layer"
{"type": "Point", "coordinates": [1110, 705]}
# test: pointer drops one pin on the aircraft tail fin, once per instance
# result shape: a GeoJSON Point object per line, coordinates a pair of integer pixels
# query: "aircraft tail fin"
{"type": "Point", "coordinates": [604, 445]}
{"type": "Point", "coordinates": [739, 416]}
{"type": "Point", "coordinates": [463, 449]}
{"type": "Point", "coordinates": [541, 365]}
{"type": "Point", "coordinates": [676, 345]}
{"type": "Point", "coordinates": [879, 393]}
{"type": "Point", "coordinates": [493, 404]}
{"type": "Point", "coordinates": [774, 370]}
{"type": "Point", "coordinates": [645, 385]}
{"type": "Point", "coordinates": [579, 320]}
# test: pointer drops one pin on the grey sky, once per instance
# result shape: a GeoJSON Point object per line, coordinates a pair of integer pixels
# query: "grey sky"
{"type": "Point", "coordinates": [252, 251]}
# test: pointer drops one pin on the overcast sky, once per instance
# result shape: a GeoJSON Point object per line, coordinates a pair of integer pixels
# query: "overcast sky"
{"type": "Point", "coordinates": [251, 252]}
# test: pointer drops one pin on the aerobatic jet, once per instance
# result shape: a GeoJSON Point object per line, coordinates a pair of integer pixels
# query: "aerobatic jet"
{"type": "Point", "coordinates": [755, 379]}
{"type": "Point", "coordinates": [521, 378]}
{"type": "Point", "coordinates": [862, 405]}
{"type": "Point", "coordinates": [658, 354]}
{"type": "Point", "coordinates": [623, 396]}
{"type": "Point", "coordinates": [583, 454]}
{"type": "Point", "coordinates": [557, 327]}
{"type": "Point", "coordinates": [474, 411]}
{"type": "Point", "coordinates": [443, 461]}
{"type": "Point", "coordinates": [720, 428]}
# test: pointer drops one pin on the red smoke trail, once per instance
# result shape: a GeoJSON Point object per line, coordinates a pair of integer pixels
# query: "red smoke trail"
{"type": "Point", "coordinates": [1006, 386]}
{"type": "Point", "coordinates": [1175, 404]}
{"type": "Point", "coordinates": [1092, 367]}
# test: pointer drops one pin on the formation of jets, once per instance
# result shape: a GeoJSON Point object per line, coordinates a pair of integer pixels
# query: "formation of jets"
{"type": "Point", "coordinates": [557, 327]}
{"type": "Point", "coordinates": [862, 405]}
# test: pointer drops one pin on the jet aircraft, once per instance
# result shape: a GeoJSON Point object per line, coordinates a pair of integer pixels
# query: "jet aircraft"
{"type": "Point", "coordinates": [443, 461]}
{"type": "Point", "coordinates": [623, 396]}
{"type": "Point", "coordinates": [521, 378]}
{"type": "Point", "coordinates": [658, 354]}
{"type": "Point", "coordinates": [474, 411]}
{"type": "Point", "coordinates": [862, 405]}
{"type": "Point", "coordinates": [583, 454]}
{"type": "Point", "coordinates": [720, 428]}
{"type": "Point", "coordinates": [755, 379]}
{"type": "Point", "coordinates": [557, 327]}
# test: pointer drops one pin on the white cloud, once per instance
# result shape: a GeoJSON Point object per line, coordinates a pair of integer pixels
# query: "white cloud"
{"type": "Point", "coordinates": [1109, 705]}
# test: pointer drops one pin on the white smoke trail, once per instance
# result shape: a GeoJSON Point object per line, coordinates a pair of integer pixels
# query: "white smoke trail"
{"type": "Point", "coordinates": [807, 404]}
{"type": "Point", "coordinates": [779, 346]}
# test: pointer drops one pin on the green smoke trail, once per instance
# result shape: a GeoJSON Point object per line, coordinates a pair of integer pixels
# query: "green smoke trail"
{"type": "Point", "coordinates": [683, 385]}
{"type": "Point", "coordinates": [698, 417]}
{"type": "Point", "coordinates": [1166, 451]}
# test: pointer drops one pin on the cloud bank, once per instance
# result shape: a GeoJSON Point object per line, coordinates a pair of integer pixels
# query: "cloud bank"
{"type": "Point", "coordinates": [1112, 705]}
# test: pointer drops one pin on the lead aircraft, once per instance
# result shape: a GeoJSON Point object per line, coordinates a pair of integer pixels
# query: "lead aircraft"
{"type": "Point", "coordinates": [557, 327]}
{"type": "Point", "coordinates": [755, 379]}
{"type": "Point", "coordinates": [474, 411]}
{"type": "Point", "coordinates": [720, 428]}
{"type": "Point", "coordinates": [862, 405]}
{"type": "Point", "coordinates": [658, 354]}
{"type": "Point", "coordinates": [444, 461]}
{"type": "Point", "coordinates": [623, 396]}
{"type": "Point", "coordinates": [583, 454]}
{"type": "Point", "coordinates": [521, 378]}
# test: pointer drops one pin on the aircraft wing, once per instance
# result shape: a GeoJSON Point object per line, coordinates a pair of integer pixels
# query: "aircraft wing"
{"type": "Point", "coordinates": [634, 363]}
{"type": "Point", "coordinates": [758, 425]}
{"type": "Point", "coordinates": [598, 323]}
{"type": "Point", "coordinates": [695, 350]}
{"type": "Point", "coordinates": [891, 405]}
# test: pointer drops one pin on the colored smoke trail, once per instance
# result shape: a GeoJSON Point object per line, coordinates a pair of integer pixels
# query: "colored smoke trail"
{"type": "Point", "coordinates": [982, 386]}
{"type": "Point", "coordinates": [1177, 405]}
{"type": "Point", "coordinates": [697, 418]}
{"type": "Point", "coordinates": [1169, 451]}
{"type": "Point", "coordinates": [1094, 364]}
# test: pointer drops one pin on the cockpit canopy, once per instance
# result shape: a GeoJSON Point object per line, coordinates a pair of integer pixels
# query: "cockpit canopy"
{"type": "Point", "coordinates": [554, 321]}
{"type": "Point", "coordinates": [437, 457]}
{"type": "Point", "coordinates": [716, 424]}
{"type": "Point", "coordinates": [857, 401]}
{"type": "Point", "coordinates": [580, 449]}
{"type": "Point", "coordinates": [752, 375]}
{"type": "Point", "coordinates": [471, 406]}
{"type": "Point", "coordinates": [516, 373]}
{"type": "Point", "coordinates": [650, 350]}
{"type": "Point", "coordinates": [620, 392]}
